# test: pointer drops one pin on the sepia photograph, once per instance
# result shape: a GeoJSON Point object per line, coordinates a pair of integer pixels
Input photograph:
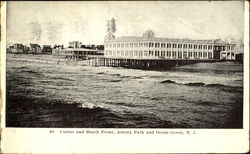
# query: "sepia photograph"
{"type": "Point", "coordinates": [125, 64]}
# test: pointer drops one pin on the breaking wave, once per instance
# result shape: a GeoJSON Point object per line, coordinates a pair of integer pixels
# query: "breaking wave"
{"type": "Point", "coordinates": [199, 84]}
{"type": "Point", "coordinates": [114, 80]}
{"type": "Point", "coordinates": [90, 106]}
{"type": "Point", "coordinates": [122, 104]}
{"type": "Point", "coordinates": [168, 81]}
{"type": "Point", "coordinates": [60, 78]}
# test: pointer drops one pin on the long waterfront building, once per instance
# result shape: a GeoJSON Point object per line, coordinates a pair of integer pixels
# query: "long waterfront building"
{"type": "Point", "coordinates": [165, 48]}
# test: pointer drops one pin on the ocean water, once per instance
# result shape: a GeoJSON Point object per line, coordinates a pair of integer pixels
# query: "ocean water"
{"type": "Point", "coordinates": [43, 93]}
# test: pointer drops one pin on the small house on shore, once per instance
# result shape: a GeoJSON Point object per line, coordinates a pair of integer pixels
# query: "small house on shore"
{"type": "Point", "coordinates": [46, 49]}
{"type": "Point", "coordinates": [35, 48]}
{"type": "Point", "coordinates": [16, 48]}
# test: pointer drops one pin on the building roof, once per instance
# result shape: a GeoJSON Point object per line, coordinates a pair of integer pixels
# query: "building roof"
{"type": "Point", "coordinates": [46, 45]}
{"type": "Point", "coordinates": [138, 39]}
{"type": "Point", "coordinates": [34, 45]}
{"type": "Point", "coordinates": [78, 49]}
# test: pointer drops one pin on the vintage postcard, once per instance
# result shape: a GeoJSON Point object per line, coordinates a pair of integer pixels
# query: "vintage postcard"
{"type": "Point", "coordinates": [124, 77]}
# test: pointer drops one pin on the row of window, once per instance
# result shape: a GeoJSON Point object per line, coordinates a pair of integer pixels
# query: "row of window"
{"type": "Point", "coordinates": [157, 45]}
{"type": "Point", "coordinates": [179, 54]}
{"type": "Point", "coordinates": [167, 45]}
{"type": "Point", "coordinates": [223, 48]}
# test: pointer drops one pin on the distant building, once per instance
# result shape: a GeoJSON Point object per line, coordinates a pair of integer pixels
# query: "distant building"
{"type": "Point", "coordinates": [100, 52]}
{"type": "Point", "coordinates": [151, 47]}
{"type": "Point", "coordinates": [92, 46]}
{"type": "Point", "coordinates": [100, 47]}
{"type": "Point", "coordinates": [56, 49]}
{"type": "Point", "coordinates": [16, 48]}
{"type": "Point", "coordinates": [58, 46]}
{"type": "Point", "coordinates": [75, 44]}
{"type": "Point", "coordinates": [46, 49]}
{"type": "Point", "coordinates": [75, 53]}
{"type": "Point", "coordinates": [239, 51]}
{"type": "Point", "coordinates": [35, 48]}
{"type": "Point", "coordinates": [26, 49]}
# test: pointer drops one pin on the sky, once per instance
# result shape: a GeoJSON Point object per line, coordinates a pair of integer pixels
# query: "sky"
{"type": "Point", "coordinates": [60, 22]}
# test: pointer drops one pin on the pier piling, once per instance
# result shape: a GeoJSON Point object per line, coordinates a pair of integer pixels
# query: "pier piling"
{"type": "Point", "coordinates": [145, 64]}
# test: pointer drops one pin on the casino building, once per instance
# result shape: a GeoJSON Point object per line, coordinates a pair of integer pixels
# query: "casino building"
{"type": "Point", "coordinates": [150, 47]}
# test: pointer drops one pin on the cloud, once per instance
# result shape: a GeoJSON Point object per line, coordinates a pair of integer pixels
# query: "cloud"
{"type": "Point", "coordinates": [61, 22]}
{"type": "Point", "coordinates": [54, 31]}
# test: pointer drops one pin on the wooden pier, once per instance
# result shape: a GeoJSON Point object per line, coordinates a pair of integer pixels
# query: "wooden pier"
{"type": "Point", "coordinates": [74, 55]}
{"type": "Point", "coordinates": [145, 64]}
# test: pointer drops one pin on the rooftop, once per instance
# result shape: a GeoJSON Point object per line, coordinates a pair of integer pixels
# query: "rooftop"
{"type": "Point", "coordinates": [138, 39]}
{"type": "Point", "coordinates": [78, 49]}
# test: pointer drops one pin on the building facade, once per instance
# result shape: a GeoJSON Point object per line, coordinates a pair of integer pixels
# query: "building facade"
{"type": "Point", "coordinates": [16, 48]}
{"type": "Point", "coordinates": [35, 48]}
{"type": "Point", "coordinates": [150, 47]}
{"type": "Point", "coordinates": [75, 44]}
{"type": "Point", "coordinates": [47, 49]}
